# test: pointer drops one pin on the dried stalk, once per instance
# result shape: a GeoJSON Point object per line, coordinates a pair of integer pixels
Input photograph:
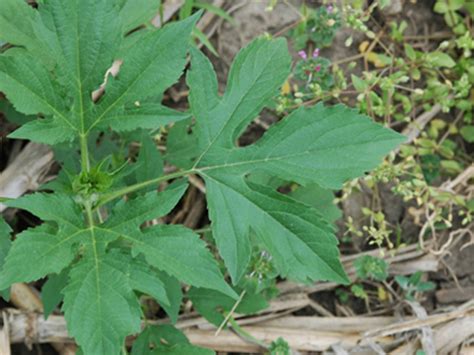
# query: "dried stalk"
{"type": "Point", "coordinates": [466, 310]}
{"type": "Point", "coordinates": [416, 127]}
{"type": "Point", "coordinates": [25, 172]}
{"type": "Point", "coordinates": [5, 335]}
{"type": "Point", "coordinates": [455, 295]}
{"type": "Point", "coordinates": [302, 333]}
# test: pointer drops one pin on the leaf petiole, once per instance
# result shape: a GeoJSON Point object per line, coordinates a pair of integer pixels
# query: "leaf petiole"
{"type": "Point", "coordinates": [132, 188]}
{"type": "Point", "coordinates": [85, 163]}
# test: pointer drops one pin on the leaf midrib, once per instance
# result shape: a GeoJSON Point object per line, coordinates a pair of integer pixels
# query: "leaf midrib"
{"type": "Point", "coordinates": [271, 159]}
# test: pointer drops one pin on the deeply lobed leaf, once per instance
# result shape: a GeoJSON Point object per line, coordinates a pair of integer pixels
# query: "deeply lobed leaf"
{"type": "Point", "coordinates": [104, 279]}
{"type": "Point", "coordinates": [77, 41]}
{"type": "Point", "coordinates": [318, 145]}
{"type": "Point", "coordinates": [97, 289]}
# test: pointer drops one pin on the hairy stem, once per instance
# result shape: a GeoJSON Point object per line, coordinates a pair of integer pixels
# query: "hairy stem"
{"type": "Point", "coordinates": [85, 164]}
{"type": "Point", "coordinates": [90, 217]}
{"type": "Point", "coordinates": [246, 335]}
{"type": "Point", "coordinates": [132, 188]}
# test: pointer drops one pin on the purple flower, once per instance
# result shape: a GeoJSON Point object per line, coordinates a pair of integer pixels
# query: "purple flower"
{"type": "Point", "coordinates": [316, 53]}
{"type": "Point", "coordinates": [330, 9]}
{"type": "Point", "coordinates": [303, 55]}
{"type": "Point", "coordinates": [317, 68]}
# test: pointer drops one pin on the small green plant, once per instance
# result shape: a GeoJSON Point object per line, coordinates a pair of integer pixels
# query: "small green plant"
{"type": "Point", "coordinates": [370, 267]}
{"type": "Point", "coordinates": [279, 347]}
{"type": "Point", "coordinates": [314, 70]}
{"type": "Point", "coordinates": [95, 247]}
{"type": "Point", "coordinates": [317, 28]}
{"type": "Point", "coordinates": [358, 291]}
{"type": "Point", "coordinates": [413, 284]}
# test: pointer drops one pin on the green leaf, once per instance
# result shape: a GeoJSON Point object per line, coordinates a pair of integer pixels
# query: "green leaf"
{"type": "Point", "coordinates": [467, 132]}
{"type": "Point", "coordinates": [150, 163]}
{"type": "Point", "coordinates": [175, 295]}
{"type": "Point", "coordinates": [47, 131]}
{"type": "Point", "coordinates": [127, 217]}
{"type": "Point", "coordinates": [371, 267]}
{"type": "Point", "coordinates": [409, 51]}
{"type": "Point", "coordinates": [57, 208]}
{"type": "Point", "coordinates": [211, 304]}
{"type": "Point", "coordinates": [13, 115]}
{"type": "Point", "coordinates": [165, 339]}
{"type": "Point", "coordinates": [17, 26]}
{"type": "Point", "coordinates": [201, 36]}
{"type": "Point", "coordinates": [181, 145]}
{"type": "Point", "coordinates": [179, 252]}
{"type": "Point", "coordinates": [154, 63]}
{"type": "Point", "coordinates": [97, 289]}
{"type": "Point", "coordinates": [153, 336]}
{"type": "Point", "coordinates": [320, 199]}
{"type": "Point", "coordinates": [441, 7]}
{"type": "Point", "coordinates": [425, 286]}
{"type": "Point", "coordinates": [202, 74]}
{"type": "Point", "coordinates": [359, 84]}
{"type": "Point", "coordinates": [49, 249]}
{"type": "Point", "coordinates": [32, 89]}
{"type": "Point", "coordinates": [359, 291]}
{"type": "Point", "coordinates": [134, 13]}
{"type": "Point", "coordinates": [186, 9]}
{"type": "Point", "coordinates": [78, 30]}
{"type": "Point", "coordinates": [440, 59]}
{"type": "Point", "coordinates": [215, 10]}
{"type": "Point", "coordinates": [145, 115]}
{"type": "Point", "coordinates": [141, 277]}
{"type": "Point", "coordinates": [456, 4]}
{"type": "Point", "coordinates": [77, 42]}
{"type": "Point", "coordinates": [415, 278]}
{"type": "Point", "coordinates": [51, 294]}
{"type": "Point", "coordinates": [5, 241]}
{"type": "Point", "coordinates": [180, 349]}
{"type": "Point", "coordinates": [300, 241]}
{"type": "Point", "coordinates": [5, 244]}
{"type": "Point", "coordinates": [45, 249]}
{"type": "Point", "coordinates": [36, 253]}
{"type": "Point", "coordinates": [253, 80]}
{"type": "Point", "coordinates": [279, 346]}
{"type": "Point", "coordinates": [319, 145]}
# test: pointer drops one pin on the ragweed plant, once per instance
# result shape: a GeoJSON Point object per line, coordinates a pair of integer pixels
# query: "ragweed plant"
{"type": "Point", "coordinates": [94, 246]}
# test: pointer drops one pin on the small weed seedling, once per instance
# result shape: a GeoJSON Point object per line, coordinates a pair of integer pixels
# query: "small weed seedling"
{"type": "Point", "coordinates": [413, 284]}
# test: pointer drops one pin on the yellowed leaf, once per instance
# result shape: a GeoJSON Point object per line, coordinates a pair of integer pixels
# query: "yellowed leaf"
{"type": "Point", "coordinates": [286, 88]}
{"type": "Point", "coordinates": [382, 293]}
{"type": "Point", "coordinates": [363, 46]}
{"type": "Point", "coordinates": [373, 58]}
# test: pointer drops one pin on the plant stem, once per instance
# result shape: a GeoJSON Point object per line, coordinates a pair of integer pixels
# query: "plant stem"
{"type": "Point", "coordinates": [89, 216]}
{"type": "Point", "coordinates": [229, 315]}
{"type": "Point", "coordinates": [132, 188]}
{"type": "Point", "coordinates": [202, 230]}
{"type": "Point", "coordinates": [85, 164]}
{"type": "Point", "coordinates": [246, 335]}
